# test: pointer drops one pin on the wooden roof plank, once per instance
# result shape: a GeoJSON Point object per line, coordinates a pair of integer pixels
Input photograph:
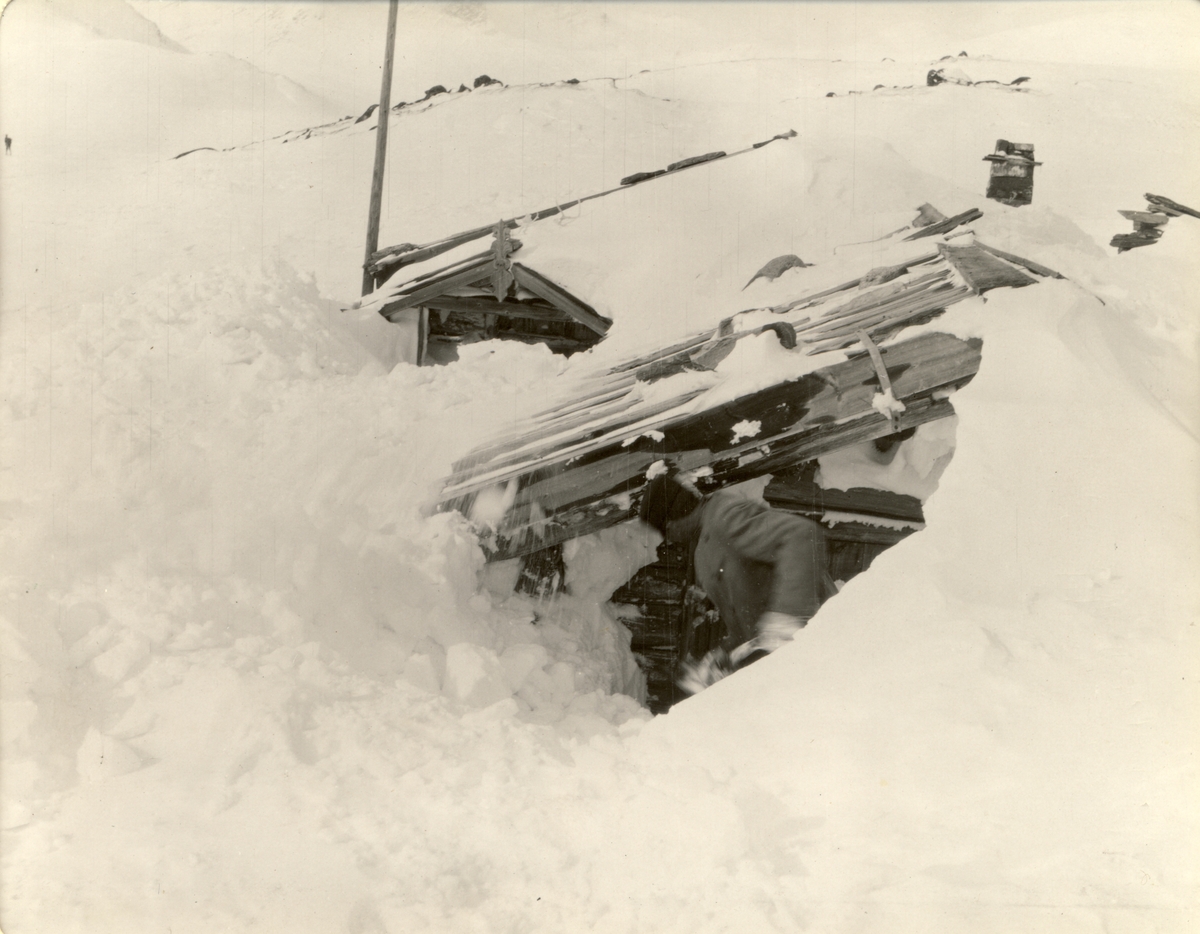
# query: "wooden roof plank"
{"type": "Point", "coordinates": [905, 305]}
{"type": "Point", "coordinates": [982, 270]}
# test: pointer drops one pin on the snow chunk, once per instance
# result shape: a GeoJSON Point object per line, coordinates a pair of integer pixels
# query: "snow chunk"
{"type": "Point", "coordinates": [653, 434]}
{"type": "Point", "coordinates": [101, 757]}
{"type": "Point", "coordinates": [746, 429]}
{"type": "Point", "coordinates": [657, 469]}
{"type": "Point", "coordinates": [420, 671]}
{"type": "Point", "coordinates": [519, 661]}
{"type": "Point", "coordinates": [492, 503]}
{"type": "Point", "coordinates": [886, 404]}
{"type": "Point", "coordinates": [474, 675]}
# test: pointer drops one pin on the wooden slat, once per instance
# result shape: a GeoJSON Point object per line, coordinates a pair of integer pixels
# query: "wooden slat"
{"type": "Point", "coordinates": [695, 160]}
{"type": "Point", "coordinates": [570, 445]}
{"type": "Point", "coordinates": [585, 483]}
{"type": "Point", "coordinates": [544, 288]}
{"type": "Point", "coordinates": [681, 348]}
{"type": "Point", "coordinates": [793, 492]}
{"type": "Point", "coordinates": [880, 297]}
{"type": "Point", "coordinates": [911, 306]}
{"type": "Point", "coordinates": [552, 418]}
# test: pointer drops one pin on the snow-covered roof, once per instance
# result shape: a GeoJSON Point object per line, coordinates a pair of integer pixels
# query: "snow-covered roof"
{"type": "Point", "coordinates": [570, 469]}
{"type": "Point", "coordinates": [677, 253]}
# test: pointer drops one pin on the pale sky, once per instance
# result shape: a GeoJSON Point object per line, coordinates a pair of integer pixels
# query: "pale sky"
{"type": "Point", "coordinates": [335, 47]}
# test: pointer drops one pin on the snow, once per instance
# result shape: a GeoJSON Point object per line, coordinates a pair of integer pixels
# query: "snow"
{"type": "Point", "coordinates": [747, 428]}
{"type": "Point", "coordinates": [886, 404]}
{"type": "Point", "coordinates": [250, 683]}
{"type": "Point", "coordinates": [913, 467]}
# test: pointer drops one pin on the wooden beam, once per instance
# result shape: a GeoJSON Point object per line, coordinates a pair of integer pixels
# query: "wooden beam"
{"type": "Point", "coordinates": [545, 289]}
{"type": "Point", "coordinates": [797, 493]}
{"type": "Point", "coordinates": [489, 306]}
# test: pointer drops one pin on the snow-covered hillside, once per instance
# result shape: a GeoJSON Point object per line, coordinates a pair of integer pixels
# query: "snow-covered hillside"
{"type": "Point", "coordinates": [251, 684]}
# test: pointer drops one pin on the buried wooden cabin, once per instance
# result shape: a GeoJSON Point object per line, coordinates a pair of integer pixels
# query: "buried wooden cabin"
{"type": "Point", "coordinates": [449, 292]}
{"type": "Point", "coordinates": [484, 295]}
{"type": "Point", "coordinates": [870, 368]}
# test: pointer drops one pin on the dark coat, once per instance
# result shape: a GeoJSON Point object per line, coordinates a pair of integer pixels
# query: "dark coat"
{"type": "Point", "coordinates": [750, 559]}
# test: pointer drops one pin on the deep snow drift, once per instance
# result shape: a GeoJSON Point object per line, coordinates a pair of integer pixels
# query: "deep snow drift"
{"type": "Point", "coordinates": [251, 685]}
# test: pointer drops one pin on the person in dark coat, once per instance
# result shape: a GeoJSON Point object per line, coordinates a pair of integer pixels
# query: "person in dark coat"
{"type": "Point", "coordinates": [764, 569]}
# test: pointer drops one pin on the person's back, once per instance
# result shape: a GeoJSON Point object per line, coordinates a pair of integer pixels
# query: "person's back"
{"type": "Point", "coordinates": [751, 560]}
{"type": "Point", "coordinates": [763, 569]}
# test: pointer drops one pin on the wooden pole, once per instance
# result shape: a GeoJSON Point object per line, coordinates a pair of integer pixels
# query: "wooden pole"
{"type": "Point", "coordinates": [385, 105]}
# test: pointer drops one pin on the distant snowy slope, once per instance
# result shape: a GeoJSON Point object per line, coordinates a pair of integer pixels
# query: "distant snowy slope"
{"type": "Point", "coordinates": [1141, 35]}
{"type": "Point", "coordinates": [94, 82]}
{"type": "Point", "coordinates": [113, 20]}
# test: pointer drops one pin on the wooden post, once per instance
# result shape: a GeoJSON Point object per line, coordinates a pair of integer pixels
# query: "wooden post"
{"type": "Point", "coordinates": [385, 105]}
